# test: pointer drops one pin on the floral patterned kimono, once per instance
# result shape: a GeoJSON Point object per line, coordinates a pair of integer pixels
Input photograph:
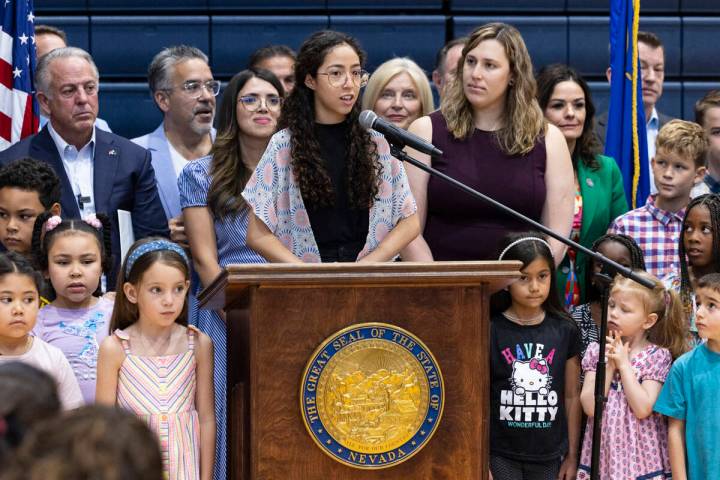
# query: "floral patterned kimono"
{"type": "Point", "coordinates": [275, 198]}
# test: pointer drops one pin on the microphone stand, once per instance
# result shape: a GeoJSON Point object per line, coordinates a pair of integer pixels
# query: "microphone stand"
{"type": "Point", "coordinates": [604, 279]}
{"type": "Point", "coordinates": [610, 269]}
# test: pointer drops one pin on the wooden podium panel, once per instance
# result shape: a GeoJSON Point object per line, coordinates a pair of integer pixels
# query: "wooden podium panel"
{"type": "Point", "coordinates": [279, 314]}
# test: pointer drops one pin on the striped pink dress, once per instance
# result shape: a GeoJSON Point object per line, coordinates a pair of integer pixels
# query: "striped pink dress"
{"type": "Point", "coordinates": [161, 390]}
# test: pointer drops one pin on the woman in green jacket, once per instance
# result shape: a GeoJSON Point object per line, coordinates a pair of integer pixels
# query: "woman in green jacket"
{"type": "Point", "coordinates": [564, 97]}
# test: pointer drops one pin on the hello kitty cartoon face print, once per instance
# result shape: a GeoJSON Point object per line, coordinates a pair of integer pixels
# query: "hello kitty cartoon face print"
{"type": "Point", "coordinates": [531, 376]}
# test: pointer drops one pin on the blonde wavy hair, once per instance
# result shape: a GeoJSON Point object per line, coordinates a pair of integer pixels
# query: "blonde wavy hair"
{"type": "Point", "coordinates": [670, 330]}
{"type": "Point", "coordinates": [523, 121]}
{"type": "Point", "coordinates": [684, 139]}
{"type": "Point", "coordinates": [387, 71]}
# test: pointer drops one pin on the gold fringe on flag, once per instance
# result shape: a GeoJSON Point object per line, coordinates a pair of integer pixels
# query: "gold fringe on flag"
{"type": "Point", "coordinates": [635, 139]}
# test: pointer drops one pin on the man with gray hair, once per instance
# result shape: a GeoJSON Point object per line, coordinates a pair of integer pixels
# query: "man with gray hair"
{"type": "Point", "coordinates": [47, 39]}
{"type": "Point", "coordinates": [184, 90]}
{"type": "Point", "coordinates": [99, 171]}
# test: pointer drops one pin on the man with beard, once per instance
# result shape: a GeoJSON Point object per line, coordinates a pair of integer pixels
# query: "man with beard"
{"type": "Point", "coordinates": [184, 90]}
{"type": "Point", "coordinates": [99, 171]}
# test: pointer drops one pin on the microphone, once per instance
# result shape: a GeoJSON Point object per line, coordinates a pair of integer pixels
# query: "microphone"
{"type": "Point", "coordinates": [396, 135]}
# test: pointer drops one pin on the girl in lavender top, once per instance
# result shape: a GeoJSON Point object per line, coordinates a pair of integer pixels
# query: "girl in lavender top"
{"type": "Point", "coordinates": [74, 254]}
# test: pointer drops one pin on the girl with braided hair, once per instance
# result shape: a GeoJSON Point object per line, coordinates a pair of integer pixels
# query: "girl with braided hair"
{"type": "Point", "coordinates": [621, 249]}
{"type": "Point", "coordinates": [74, 254]}
{"type": "Point", "coordinates": [326, 189]}
{"type": "Point", "coordinates": [699, 252]}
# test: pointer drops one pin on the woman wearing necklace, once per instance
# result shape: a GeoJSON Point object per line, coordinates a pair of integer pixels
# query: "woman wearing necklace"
{"type": "Point", "coordinates": [535, 372]}
{"type": "Point", "coordinates": [216, 216]}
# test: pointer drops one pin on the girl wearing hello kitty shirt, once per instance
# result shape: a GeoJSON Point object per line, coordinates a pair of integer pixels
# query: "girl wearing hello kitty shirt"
{"type": "Point", "coordinates": [535, 372]}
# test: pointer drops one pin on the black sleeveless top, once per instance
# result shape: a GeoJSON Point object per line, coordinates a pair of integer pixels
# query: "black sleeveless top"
{"type": "Point", "coordinates": [340, 229]}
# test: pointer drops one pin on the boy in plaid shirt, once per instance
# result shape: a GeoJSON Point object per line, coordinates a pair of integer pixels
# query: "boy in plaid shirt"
{"type": "Point", "coordinates": [679, 164]}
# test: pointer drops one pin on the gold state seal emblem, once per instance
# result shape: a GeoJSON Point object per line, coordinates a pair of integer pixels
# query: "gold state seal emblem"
{"type": "Point", "coordinates": [372, 395]}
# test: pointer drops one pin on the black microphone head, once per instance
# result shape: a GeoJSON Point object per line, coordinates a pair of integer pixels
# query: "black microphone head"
{"type": "Point", "coordinates": [367, 119]}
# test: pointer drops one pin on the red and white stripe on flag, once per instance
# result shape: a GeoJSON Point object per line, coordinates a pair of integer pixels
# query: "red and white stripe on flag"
{"type": "Point", "coordinates": [18, 110]}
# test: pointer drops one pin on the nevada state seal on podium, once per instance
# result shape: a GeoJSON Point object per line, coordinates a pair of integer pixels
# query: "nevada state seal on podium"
{"type": "Point", "coordinates": [372, 395]}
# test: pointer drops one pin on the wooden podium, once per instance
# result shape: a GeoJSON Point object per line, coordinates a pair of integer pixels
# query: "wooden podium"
{"type": "Point", "coordinates": [279, 314]}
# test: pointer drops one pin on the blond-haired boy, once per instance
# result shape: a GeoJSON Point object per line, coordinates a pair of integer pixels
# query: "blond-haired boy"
{"type": "Point", "coordinates": [679, 164]}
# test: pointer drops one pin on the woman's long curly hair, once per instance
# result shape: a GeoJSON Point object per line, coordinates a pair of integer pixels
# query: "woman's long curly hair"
{"type": "Point", "coordinates": [587, 146]}
{"type": "Point", "coordinates": [229, 172]}
{"type": "Point", "coordinates": [523, 122]}
{"type": "Point", "coordinates": [298, 116]}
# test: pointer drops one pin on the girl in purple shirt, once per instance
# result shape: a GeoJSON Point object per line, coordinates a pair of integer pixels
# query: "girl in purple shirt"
{"type": "Point", "coordinates": [74, 254]}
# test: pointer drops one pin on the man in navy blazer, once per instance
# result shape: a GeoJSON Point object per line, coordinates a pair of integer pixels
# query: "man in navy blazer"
{"type": "Point", "coordinates": [99, 171]}
{"type": "Point", "coordinates": [651, 53]}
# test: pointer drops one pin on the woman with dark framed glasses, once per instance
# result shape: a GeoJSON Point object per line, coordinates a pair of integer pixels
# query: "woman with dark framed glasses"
{"type": "Point", "coordinates": [216, 216]}
{"type": "Point", "coordinates": [326, 189]}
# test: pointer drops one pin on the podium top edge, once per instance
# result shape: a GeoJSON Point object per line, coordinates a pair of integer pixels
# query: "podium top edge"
{"type": "Point", "coordinates": [391, 274]}
{"type": "Point", "coordinates": [321, 269]}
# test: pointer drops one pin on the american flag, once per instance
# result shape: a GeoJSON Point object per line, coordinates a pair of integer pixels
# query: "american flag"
{"type": "Point", "coordinates": [19, 112]}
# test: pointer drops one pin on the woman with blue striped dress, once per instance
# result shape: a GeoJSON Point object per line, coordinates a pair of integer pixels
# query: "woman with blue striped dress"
{"type": "Point", "coordinates": [215, 214]}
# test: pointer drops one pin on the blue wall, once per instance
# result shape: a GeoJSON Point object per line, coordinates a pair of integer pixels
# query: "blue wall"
{"type": "Point", "coordinates": [124, 35]}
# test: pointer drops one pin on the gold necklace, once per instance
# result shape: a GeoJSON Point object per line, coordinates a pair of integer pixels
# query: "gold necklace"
{"type": "Point", "coordinates": [524, 321]}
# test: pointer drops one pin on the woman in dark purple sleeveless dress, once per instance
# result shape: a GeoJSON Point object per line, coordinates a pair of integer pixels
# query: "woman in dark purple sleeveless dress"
{"type": "Point", "coordinates": [494, 138]}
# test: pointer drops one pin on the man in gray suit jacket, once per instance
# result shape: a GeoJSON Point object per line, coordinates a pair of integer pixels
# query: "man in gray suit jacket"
{"type": "Point", "coordinates": [652, 71]}
{"type": "Point", "coordinates": [184, 90]}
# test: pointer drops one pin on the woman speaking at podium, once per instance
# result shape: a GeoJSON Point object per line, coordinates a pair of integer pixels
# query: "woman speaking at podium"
{"type": "Point", "coordinates": [494, 139]}
{"type": "Point", "coordinates": [326, 189]}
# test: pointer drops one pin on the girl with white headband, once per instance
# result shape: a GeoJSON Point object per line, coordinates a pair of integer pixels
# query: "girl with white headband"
{"type": "Point", "coordinates": [535, 372]}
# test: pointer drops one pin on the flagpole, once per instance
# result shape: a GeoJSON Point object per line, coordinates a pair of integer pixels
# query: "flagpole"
{"type": "Point", "coordinates": [631, 8]}
{"type": "Point", "coordinates": [635, 139]}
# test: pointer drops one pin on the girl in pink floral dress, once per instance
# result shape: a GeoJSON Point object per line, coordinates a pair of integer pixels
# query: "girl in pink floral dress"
{"type": "Point", "coordinates": [647, 330]}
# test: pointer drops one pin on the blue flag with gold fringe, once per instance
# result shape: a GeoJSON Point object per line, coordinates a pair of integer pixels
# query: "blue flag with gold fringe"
{"type": "Point", "coordinates": [626, 138]}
